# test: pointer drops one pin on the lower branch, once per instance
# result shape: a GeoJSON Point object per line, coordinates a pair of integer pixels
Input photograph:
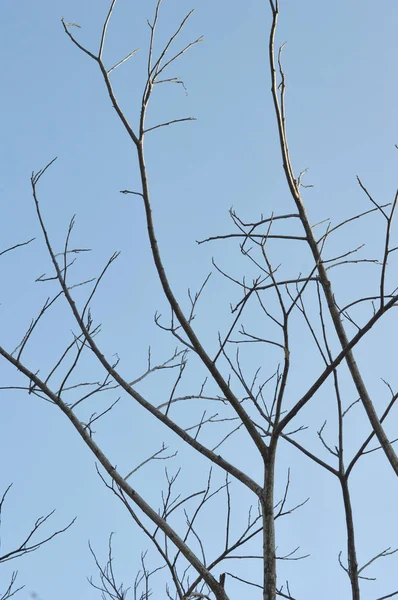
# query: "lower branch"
{"type": "Point", "coordinates": [122, 483]}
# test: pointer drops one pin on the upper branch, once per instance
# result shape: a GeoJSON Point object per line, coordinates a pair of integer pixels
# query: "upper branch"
{"type": "Point", "coordinates": [184, 322]}
{"type": "Point", "coordinates": [278, 94]}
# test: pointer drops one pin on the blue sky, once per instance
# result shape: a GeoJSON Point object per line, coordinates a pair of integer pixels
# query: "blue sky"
{"type": "Point", "coordinates": [340, 63]}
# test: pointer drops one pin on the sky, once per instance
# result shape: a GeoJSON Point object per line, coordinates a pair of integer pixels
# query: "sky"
{"type": "Point", "coordinates": [340, 63]}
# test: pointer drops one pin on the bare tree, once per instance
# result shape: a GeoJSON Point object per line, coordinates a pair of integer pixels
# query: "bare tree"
{"type": "Point", "coordinates": [275, 315]}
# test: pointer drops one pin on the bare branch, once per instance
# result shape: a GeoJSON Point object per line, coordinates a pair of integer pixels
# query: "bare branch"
{"type": "Point", "coordinates": [122, 61]}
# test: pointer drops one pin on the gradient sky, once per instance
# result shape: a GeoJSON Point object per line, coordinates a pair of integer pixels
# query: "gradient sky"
{"type": "Point", "coordinates": [340, 63]}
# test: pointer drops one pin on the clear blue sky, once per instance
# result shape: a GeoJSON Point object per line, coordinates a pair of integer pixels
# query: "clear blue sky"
{"type": "Point", "coordinates": [340, 64]}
